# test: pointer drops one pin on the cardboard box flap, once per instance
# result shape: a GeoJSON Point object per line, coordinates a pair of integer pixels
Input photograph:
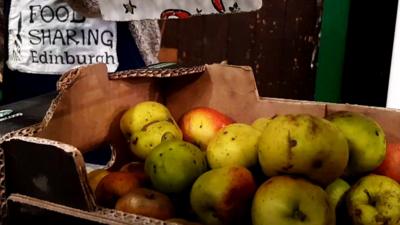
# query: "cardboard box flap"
{"type": "Point", "coordinates": [232, 90]}
{"type": "Point", "coordinates": [47, 170]}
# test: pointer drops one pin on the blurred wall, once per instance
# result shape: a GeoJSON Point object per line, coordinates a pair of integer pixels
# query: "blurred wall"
{"type": "Point", "coordinates": [278, 41]}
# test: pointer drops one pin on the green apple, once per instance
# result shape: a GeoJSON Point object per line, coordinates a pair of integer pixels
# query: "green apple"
{"type": "Point", "coordinates": [222, 196]}
{"type": "Point", "coordinates": [303, 145]}
{"type": "Point", "coordinates": [284, 200]}
{"type": "Point", "coordinates": [142, 114]}
{"type": "Point", "coordinates": [367, 142]}
{"type": "Point", "coordinates": [374, 200]}
{"type": "Point", "coordinates": [261, 123]}
{"type": "Point", "coordinates": [142, 142]}
{"type": "Point", "coordinates": [337, 191]}
{"type": "Point", "coordinates": [235, 144]}
{"type": "Point", "coordinates": [174, 165]}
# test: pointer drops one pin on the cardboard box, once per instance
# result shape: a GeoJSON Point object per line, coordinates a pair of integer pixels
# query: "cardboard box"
{"type": "Point", "coordinates": [43, 175]}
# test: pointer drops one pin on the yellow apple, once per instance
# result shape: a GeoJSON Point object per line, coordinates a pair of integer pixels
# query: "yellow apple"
{"type": "Point", "coordinates": [234, 145]}
{"type": "Point", "coordinates": [223, 196]}
{"type": "Point", "coordinates": [142, 142]}
{"type": "Point", "coordinates": [95, 176]}
{"type": "Point", "coordinates": [374, 200]}
{"type": "Point", "coordinates": [142, 114]}
{"type": "Point", "coordinates": [284, 200]}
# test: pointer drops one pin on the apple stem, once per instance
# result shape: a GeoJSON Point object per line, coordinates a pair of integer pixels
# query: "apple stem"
{"type": "Point", "coordinates": [299, 215]}
{"type": "Point", "coordinates": [168, 137]}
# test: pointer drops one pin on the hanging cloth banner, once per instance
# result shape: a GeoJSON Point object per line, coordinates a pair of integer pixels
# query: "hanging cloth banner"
{"type": "Point", "coordinates": [125, 10]}
{"type": "Point", "coordinates": [48, 37]}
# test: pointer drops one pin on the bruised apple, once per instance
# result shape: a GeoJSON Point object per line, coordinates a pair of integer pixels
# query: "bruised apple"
{"type": "Point", "coordinates": [146, 202]}
{"type": "Point", "coordinates": [113, 186]}
{"type": "Point", "coordinates": [223, 196]}
{"type": "Point", "coordinates": [303, 145]}
{"type": "Point", "coordinates": [374, 200]}
{"type": "Point", "coordinates": [200, 124]}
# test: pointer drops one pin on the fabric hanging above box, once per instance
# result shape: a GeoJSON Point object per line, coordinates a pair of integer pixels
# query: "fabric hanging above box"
{"type": "Point", "coordinates": [125, 10]}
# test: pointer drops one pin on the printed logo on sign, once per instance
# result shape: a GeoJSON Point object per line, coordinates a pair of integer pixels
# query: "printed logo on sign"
{"type": "Point", "coordinates": [47, 36]}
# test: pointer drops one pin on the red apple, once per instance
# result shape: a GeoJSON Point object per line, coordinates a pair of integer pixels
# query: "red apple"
{"type": "Point", "coordinates": [390, 166]}
{"type": "Point", "coordinates": [200, 124]}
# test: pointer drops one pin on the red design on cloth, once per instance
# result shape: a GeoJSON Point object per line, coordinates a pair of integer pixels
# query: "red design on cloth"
{"type": "Point", "coordinates": [218, 5]}
{"type": "Point", "coordinates": [175, 13]}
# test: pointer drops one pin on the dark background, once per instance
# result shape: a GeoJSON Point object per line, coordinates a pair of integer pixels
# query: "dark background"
{"type": "Point", "coordinates": [369, 52]}
{"type": "Point", "coordinates": [279, 41]}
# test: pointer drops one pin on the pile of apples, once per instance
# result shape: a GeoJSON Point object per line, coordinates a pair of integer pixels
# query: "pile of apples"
{"type": "Point", "coordinates": [287, 169]}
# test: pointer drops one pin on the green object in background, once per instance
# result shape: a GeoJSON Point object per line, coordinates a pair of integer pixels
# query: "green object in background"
{"type": "Point", "coordinates": [332, 50]}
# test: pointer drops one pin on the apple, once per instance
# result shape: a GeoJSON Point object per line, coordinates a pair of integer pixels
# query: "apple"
{"type": "Point", "coordinates": [142, 114]}
{"type": "Point", "coordinates": [390, 166]}
{"type": "Point", "coordinates": [174, 165]}
{"type": "Point", "coordinates": [146, 202]}
{"type": "Point", "coordinates": [261, 123]}
{"type": "Point", "coordinates": [95, 176]}
{"type": "Point", "coordinates": [288, 200]}
{"type": "Point", "coordinates": [200, 124]}
{"type": "Point", "coordinates": [142, 142]}
{"type": "Point", "coordinates": [180, 221]}
{"type": "Point", "coordinates": [374, 200]}
{"type": "Point", "coordinates": [234, 145]}
{"type": "Point", "coordinates": [113, 186]}
{"type": "Point", "coordinates": [366, 138]}
{"type": "Point", "coordinates": [337, 191]}
{"type": "Point", "coordinates": [223, 195]}
{"type": "Point", "coordinates": [303, 145]}
{"type": "Point", "coordinates": [136, 168]}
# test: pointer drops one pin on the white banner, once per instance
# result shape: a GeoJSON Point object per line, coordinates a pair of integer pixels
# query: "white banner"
{"type": "Point", "coordinates": [48, 37]}
{"type": "Point", "coordinates": [124, 10]}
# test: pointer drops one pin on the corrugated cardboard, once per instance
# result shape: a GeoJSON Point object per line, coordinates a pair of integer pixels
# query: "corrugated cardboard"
{"type": "Point", "coordinates": [87, 111]}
